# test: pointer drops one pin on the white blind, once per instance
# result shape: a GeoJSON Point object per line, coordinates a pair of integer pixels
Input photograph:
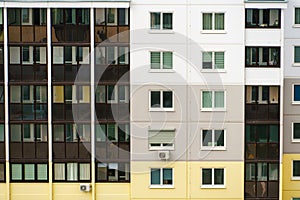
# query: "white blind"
{"type": "Point", "coordinates": [161, 136]}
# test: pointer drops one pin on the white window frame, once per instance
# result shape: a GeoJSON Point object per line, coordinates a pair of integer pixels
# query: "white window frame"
{"type": "Point", "coordinates": [161, 185]}
{"type": "Point", "coordinates": [29, 17]}
{"type": "Point", "coordinates": [161, 64]}
{"type": "Point", "coordinates": [293, 139]}
{"type": "Point", "coordinates": [213, 108]}
{"type": "Point", "coordinates": [115, 91]}
{"type": "Point", "coordinates": [294, 16]}
{"type": "Point", "coordinates": [161, 108]}
{"type": "Point", "coordinates": [162, 147]}
{"type": "Point", "coordinates": [213, 177]}
{"type": "Point", "coordinates": [213, 22]}
{"type": "Point", "coordinates": [213, 147]}
{"type": "Point", "coordinates": [213, 69]}
{"type": "Point", "coordinates": [293, 95]}
{"type": "Point", "coordinates": [295, 178]}
{"type": "Point", "coordinates": [295, 64]}
{"type": "Point", "coordinates": [161, 30]}
{"type": "Point", "coordinates": [30, 62]}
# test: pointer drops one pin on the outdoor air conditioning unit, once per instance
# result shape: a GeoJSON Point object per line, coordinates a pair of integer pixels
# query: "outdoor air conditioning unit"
{"type": "Point", "coordinates": [86, 187]}
{"type": "Point", "coordinates": [164, 155]}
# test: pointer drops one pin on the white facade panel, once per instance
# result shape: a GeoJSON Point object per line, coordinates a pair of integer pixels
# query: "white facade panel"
{"type": "Point", "coordinates": [263, 76]}
{"type": "Point", "coordinates": [263, 37]}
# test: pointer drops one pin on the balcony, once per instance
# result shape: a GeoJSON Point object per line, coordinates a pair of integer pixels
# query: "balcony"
{"type": "Point", "coordinates": [262, 112]}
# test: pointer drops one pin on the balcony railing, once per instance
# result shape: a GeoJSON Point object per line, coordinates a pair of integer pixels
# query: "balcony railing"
{"type": "Point", "coordinates": [262, 112]}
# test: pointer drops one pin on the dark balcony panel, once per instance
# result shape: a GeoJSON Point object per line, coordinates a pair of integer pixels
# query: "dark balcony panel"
{"type": "Point", "coordinates": [58, 73]}
{"type": "Point", "coordinates": [72, 150]}
{"type": "Point", "coordinates": [111, 111]}
{"type": "Point", "coordinates": [28, 150]}
{"type": "Point", "coordinates": [83, 34]}
{"type": "Point", "coordinates": [101, 111]}
{"type": "Point", "coordinates": [124, 150]}
{"type": "Point", "coordinates": [2, 115]}
{"type": "Point", "coordinates": [59, 150]}
{"type": "Point", "coordinates": [15, 73]}
{"type": "Point", "coordinates": [42, 150]}
{"type": "Point", "coordinates": [81, 112]}
{"type": "Point", "coordinates": [262, 112]}
{"type": "Point", "coordinates": [40, 73]}
{"type": "Point", "coordinates": [41, 111]}
{"type": "Point", "coordinates": [100, 34]}
{"type": "Point", "coordinates": [273, 189]}
{"type": "Point", "coordinates": [40, 34]}
{"type": "Point", "coordinates": [85, 150]}
{"type": "Point", "coordinates": [14, 34]}
{"type": "Point", "coordinates": [70, 73]}
{"type": "Point", "coordinates": [124, 34]}
{"type": "Point", "coordinates": [112, 151]}
{"type": "Point", "coordinates": [250, 151]}
{"type": "Point", "coordinates": [112, 33]}
{"type": "Point", "coordinates": [123, 112]}
{"type": "Point", "coordinates": [262, 189]}
{"type": "Point", "coordinates": [16, 150]}
{"type": "Point", "coordinates": [262, 151]}
{"type": "Point", "coordinates": [273, 151]}
{"type": "Point", "coordinates": [58, 112]}
{"type": "Point", "coordinates": [2, 73]}
{"type": "Point", "coordinates": [28, 111]}
{"type": "Point", "coordinates": [274, 112]}
{"type": "Point", "coordinates": [69, 111]}
{"type": "Point", "coordinates": [123, 73]}
{"type": "Point", "coordinates": [99, 73]}
{"type": "Point", "coordinates": [251, 112]}
{"type": "Point", "coordinates": [2, 150]}
{"type": "Point", "coordinates": [15, 112]}
{"type": "Point", "coordinates": [110, 74]}
{"type": "Point", "coordinates": [250, 189]}
{"type": "Point", "coordinates": [100, 150]}
{"type": "Point", "coordinates": [27, 33]}
{"type": "Point", "coordinates": [83, 74]}
{"type": "Point", "coordinates": [28, 73]}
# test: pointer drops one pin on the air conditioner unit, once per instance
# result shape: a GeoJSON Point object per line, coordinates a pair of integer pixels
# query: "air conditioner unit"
{"type": "Point", "coordinates": [164, 155]}
{"type": "Point", "coordinates": [85, 187]}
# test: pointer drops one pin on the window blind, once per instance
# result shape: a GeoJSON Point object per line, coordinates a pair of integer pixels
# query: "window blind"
{"type": "Point", "coordinates": [206, 99]}
{"type": "Point", "coordinates": [207, 60]}
{"type": "Point", "coordinates": [161, 136]}
{"type": "Point", "coordinates": [16, 172]}
{"type": "Point", "coordinates": [219, 21]}
{"type": "Point", "coordinates": [219, 60]}
{"type": "Point", "coordinates": [167, 60]}
{"type": "Point", "coordinates": [29, 171]}
{"type": "Point", "coordinates": [42, 172]}
{"type": "Point", "coordinates": [155, 60]}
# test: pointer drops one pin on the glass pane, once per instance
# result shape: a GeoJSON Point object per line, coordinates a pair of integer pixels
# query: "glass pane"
{"type": "Point", "coordinates": [101, 171]}
{"type": "Point", "coordinates": [29, 171]}
{"type": "Point", "coordinates": [167, 20]}
{"type": "Point", "coordinates": [16, 172]}
{"type": "Point", "coordinates": [207, 60]}
{"type": "Point", "coordinates": [207, 137]}
{"type": "Point", "coordinates": [111, 93]}
{"type": "Point", "coordinates": [15, 94]}
{"type": "Point", "coordinates": [42, 172]}
{"type": "Point", "coordinates": [155, 176]}
{"type": "Point", "coordinates": [58, 133]}
{"type": "Point", "coordinates": [297, 55]}
{"type": "Point", "coordinates": [250, 133]}
{"type": "Point", "coordinates": [15, 133]}
{"type": "Point", "coordinates": [206, 176]}
{"type": "Point", "coordinates": [100, 94]}
{"type": "Point", "coordinates": [296, 92]}
{"type": "Point", "coordinates": [219, 138]}
{"type": "Point", "coordinates": [28, 132]}
{"type": "Point", "coordinates": [1, 92]}
{"type": "Point", "coordinates": [155, 60]}
{"type": "Point", "coordinates": [167, 176]}
{"type": "Point", "coordinates": [297, 15]}
{"type": "Point", "coordinates": [219, 177]}
{"type": "Point", "coordinates": [219, 21]}
{"type": "Point", "coordinates": [167, 99]}
{"type": "Point", "coordinates": [296, 168]}
{"type": "Point", "coordinates": [274, 133]}
{"type": "Point", "coordinates": [71, 133]}
{"type": "Point", "coordinates": [2, 133]}
{"type": "Point", "coordinates": [111, 132]}
{"type": "Point", "coordinates": [59, 172]}
{"type": "Point", "coordinates": [219, 99]}
{"type": "Point", "coordinates": [41, 94]}
{"type": "Point", "coordinates": [113, 172]}
{"type": "Point", "coordinates": [296, 130]}
{"type": "Point", "coordinates": [167, 60]}
{"type": "Point", "coordinates": [273, 172]}
{"type": "Point", "coordinates": [250, 172]}
{"type": "Point", "coordinates": [84, 171]}
{"type": "Point", "coordinates": [262, 133]}
{"type": "Point", "coordinates": [207, 21]}
{"type": "Point", "coordinates": [2, 172]}
{"type": "Point", "coordinates": [41, 132]}
{"type": "Point", "coordinates": [155, 99]}
{"type": "Point", "coordinates": [100, 133]}
{"type": "Point", "coordinates": [219, 60]}
{"type": "Point", "coordinates": [262, 169]}
{"type": "Point", "coordinates": [206, 99]}
{"type": "Point", "coordinates": [72, 172]}
{"type": "Point", "coordinates": [155, 20]}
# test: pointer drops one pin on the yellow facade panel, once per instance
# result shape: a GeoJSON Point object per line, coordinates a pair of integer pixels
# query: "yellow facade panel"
{"type": "Point", "coordinates": [288, 183]}
{"type": "Point", "coordinates": [30, 191]}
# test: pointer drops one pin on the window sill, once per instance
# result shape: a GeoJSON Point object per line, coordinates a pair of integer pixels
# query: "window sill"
{"type": "Point", "coordinates": [214, 109]}
{"type": "Point", "coordinates": [213, 71]}
{"type": "Point", "coordinates": [296, 26]}
{"type": "Point", "coordinates": [214, 32]}
{"type": "Point", "coordinates": [161, 148]}
{"type": "Point", "coordinates": [161, 187]}
{"type": "Point", "coordinates": [295, 178]}
{"type": "Point", "coordinates": [161, 71]}
{"type": "Point", "coordinates": [161, 110]}
{"type": "Point", "coordinates": [296, 64]}
{"type": "Point", "coordinates": [295, 102]}
{"type": "Point", "coordinates": [295, 140]}
{"type": "Point", "coordinates": [160, 31]}
{"type": "Point", "coordinates": [213, 149]}
{"type": "Point", "coordinates": [212, 187]}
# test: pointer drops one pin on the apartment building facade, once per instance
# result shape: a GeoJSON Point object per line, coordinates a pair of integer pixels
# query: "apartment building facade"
{"type": "Point", "coordinates": [148, 99]}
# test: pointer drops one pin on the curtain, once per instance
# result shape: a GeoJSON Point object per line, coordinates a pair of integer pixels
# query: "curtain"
{"type": "Point", "coordinates": [16, 171]}
{"type": "Point", "coordinates": [72, 171]}
{"type": "Point", "coordinates": [155, 176]}
{"type": "Point", "coordinates": [207, 99]}
{"type": "Point", "coordinates": [207, 21]}
{"type": "Point", "coordinates": [218, 176]}
{"type": "Point", "coordinates": [207, 60]}
{"type": "Point", "coordinates": [42, 171]}
{"type": "Point", "coordinates": [167, 20]}
{"type": "Point", "coordinates": [59, 171]}
{"type": "Point", "coordinates": [155, 20]}
{"type": "Point", "coordinates": [84, 171]}
{"type": "Point", "coordinates": [29, 172]}
{"type": "Point", "coordinates": [219, 60]}
{"type": "Point", "coordinates": [297, 15]}
{"type": "Point", "coordinates": [167, 99]}
{"type": "Point", "coordinates": [219, 99]}
{"type": "Point", "coordinates": [167, 60]}
{"type": "Point", "coordinates": [219, 21]}
{"type": "Point", "coordinates": [206, 176]}
{"type": "Point", "coordinates": [155, 60]}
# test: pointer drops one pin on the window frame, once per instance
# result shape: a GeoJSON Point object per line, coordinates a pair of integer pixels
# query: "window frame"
{"type": "Point", "coordinates": [23, 173]}
{"type": "Point", "coordinates": [161, 108]}
{"type": "Point", "coordinates": [213, 108]}
{"type": "Point", "coordinates": [213, 30]}
{"type": "Point", "coordinates": [263, 26]}
{"type": "Point", "coordinates": [293, 93]}
{"type": "Point", "coordinates": [106, 166]}
{"type": "Point", "coordinates": [161, 29]}
{"type": "Point", "coordinates": [161, 63]}
{"type": "Point", "coordinates": [66, 172]}
{"type": "Point", "coordinates": [295, 178]}
{"type": "Point", "coordinates": [213, 69]}
{"type": "Point", "coordinates": [213, 185]}
{"type": "Point", "coordinates": [213, 147]}
{"type": "Point", "coordinates": [297, 140]}
{"type": "Point", "coordinates": [161, 185]}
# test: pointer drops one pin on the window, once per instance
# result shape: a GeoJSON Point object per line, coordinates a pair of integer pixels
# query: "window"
{"type": "Point", "coordinates": [161, 101]}
{"type": "Point", "coordinates": [71, 94]}
{"type": "Point", "coordinates": [114, 94]}
{"type": "Point", "coordinates": [213, 60]}
{"type": "Point", "coordinates": [262, 94]}
{"type": "Point", "coordinates": [2, 133]}
{"type": "Point", "coordinates": [71, 133]}
{"type": "Point", "coordinates": [2, 172]}
{"type": "Point", "coordinates": [112, 132]}
{"type": "Point", "coordinates": [161, 21]}
{"type": "Point", "coordinates": [29, 172]}
{"type": "Point", "coordinates": [296, 94]}
{"type": "Point", "coordinates": [296, 132]}
{"type": "Point", "coordinates": [72, 172]}
{"type": "Point", "coordinates": [297, 54]}
{"type": "Point", "coordinates": [112, 172]}
{"type": "Point", "coordinates": [161, 139]}
{"type": "Point", "coordinates": [213, 139]}
{"type": "Point", "coordinates": [213, 178]}
{"type": "Point", "coordinates": [213, 100]}
{"type": "Point", "coordinates": [213, 21]}
{"type": "Point", "coordinates": [161, 60]}
{"type": "Point", "coordinates": [262, 18]}
{"type": "Point", "coordinates": [28, 132]}
{"type": "Point", "coordinates": [296, 169]}
{"type": "Point", "coordinates": [262, 57]}
{"type": "Point", "coordinates": [297, 16]}
{"type": "Point", "coordinates": [161, 177]}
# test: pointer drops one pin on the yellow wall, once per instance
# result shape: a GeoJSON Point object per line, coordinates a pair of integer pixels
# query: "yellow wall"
{"type": "Point", "coordinates": [113, 191]}
{"type": "Point", "coordinates": [69, 191]}
{"type": "Point", "coordinates": [140, 181]}
{"type": "Point", "coordinates": [2, 191]}
{"type": "Point", "coordinates": [291, 188]}
{"type": "Point", "coordinates": [29, 191]}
